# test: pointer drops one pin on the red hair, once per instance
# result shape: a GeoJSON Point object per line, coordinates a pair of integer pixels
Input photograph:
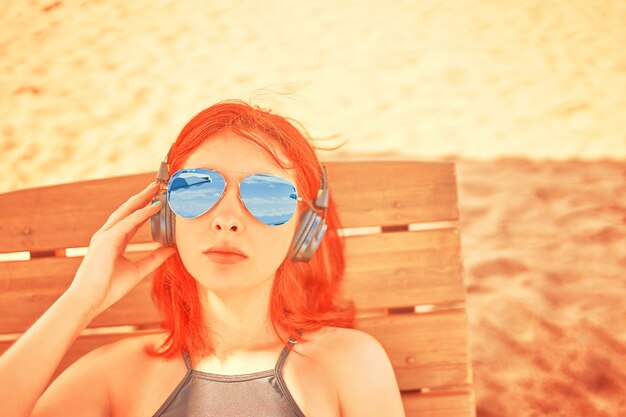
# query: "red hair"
{"type": "Point", "coordinates": [304, 295]}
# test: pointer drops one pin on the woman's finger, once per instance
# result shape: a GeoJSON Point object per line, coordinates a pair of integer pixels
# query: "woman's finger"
{"type": "Point", "coordinates": [128, 226]}
{"type": "Point", "coordinates": [132, 204]}
{"type": "Point", "coordinates": [152, 261]}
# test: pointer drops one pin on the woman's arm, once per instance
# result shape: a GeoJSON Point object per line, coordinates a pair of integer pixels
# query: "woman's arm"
{"type": "Point", "coordinates": [366, 382]}
{"type": "Point", "coordinates": [27, 366]}
{"type": "Point", "coordinates": [103, 277]}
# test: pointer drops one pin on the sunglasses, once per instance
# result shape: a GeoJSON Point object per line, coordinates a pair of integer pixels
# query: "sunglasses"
{"type": "Point", "coordinates": [271, 199]}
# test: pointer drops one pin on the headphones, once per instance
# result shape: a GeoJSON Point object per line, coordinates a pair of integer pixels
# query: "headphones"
{"type": "Point", "coordinates": [305, 242]}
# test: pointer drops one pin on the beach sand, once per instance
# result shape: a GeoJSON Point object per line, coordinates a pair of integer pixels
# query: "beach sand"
{"type": "Point", "coordinates": [543, 246]}
{"type": "Point", "coordinates": [96, 89]}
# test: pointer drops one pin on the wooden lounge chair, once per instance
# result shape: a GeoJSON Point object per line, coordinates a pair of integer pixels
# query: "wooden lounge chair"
{"type": "Point", "coordinates": [404, 269]}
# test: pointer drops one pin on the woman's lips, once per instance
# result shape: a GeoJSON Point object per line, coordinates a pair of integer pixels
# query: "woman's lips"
{"type": "Point", "coordinates": [225, 257]}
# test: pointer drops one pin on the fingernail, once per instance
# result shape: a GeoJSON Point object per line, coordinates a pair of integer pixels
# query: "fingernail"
{"type": "Point", "coordinates": [152, 184]}
{"type": "Point", "coordinates": [154, 203]}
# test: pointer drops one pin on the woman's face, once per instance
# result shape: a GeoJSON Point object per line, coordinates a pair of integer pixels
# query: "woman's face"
{"type": "Point", "coordinates": [229, 223]}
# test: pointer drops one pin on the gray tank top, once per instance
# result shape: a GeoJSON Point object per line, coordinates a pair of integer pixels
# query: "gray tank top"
{"type": "Point", "coordinates": [258, 394]}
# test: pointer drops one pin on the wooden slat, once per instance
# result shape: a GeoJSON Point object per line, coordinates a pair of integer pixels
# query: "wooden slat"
{"type": "Point", "coordinates": [31, 287]}
{"type": "Point", "coordinates": [383, 193]}
{"type": "Point", "coordinates": [383, 270]}
{"type": "Point", "coordinates": [454, 403]}
{"type": "Point", "coordinates": [404, 269]}
{"type": "Point", "coordinates": [426, 350]}
{"type": "Point", "coordinates": [367, 193]}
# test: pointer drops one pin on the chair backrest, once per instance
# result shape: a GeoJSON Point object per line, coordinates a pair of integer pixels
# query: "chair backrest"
{"type": "Point", "coordinates": [403, 254]}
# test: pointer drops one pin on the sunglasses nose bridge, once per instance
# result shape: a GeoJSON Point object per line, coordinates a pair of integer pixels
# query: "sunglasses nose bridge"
{"type": "Point", "coordinates": [236, 184]}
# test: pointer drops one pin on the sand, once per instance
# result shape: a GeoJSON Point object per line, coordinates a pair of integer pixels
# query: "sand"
{"type": "Point", "coordinates": [543, 246]}
{"type": "Point", "coordinates": [88, 86]}
{"type": "Point", "coordinates": [473, 78]}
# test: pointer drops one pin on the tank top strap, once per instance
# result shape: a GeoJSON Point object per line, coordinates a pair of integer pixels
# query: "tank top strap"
{"type": "Point", "coordinates": [187, 360]}
{"type": "Point", "coordinates": [285, 352]}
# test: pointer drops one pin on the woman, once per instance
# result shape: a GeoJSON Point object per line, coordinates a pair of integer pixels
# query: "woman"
{"type": "Point", "coordinates": [253, 327]}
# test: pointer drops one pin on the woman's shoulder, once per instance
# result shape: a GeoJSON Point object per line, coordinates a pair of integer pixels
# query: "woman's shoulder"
{"type": "Point", "coordinates": [129, 354]}
{"type": "Point", "coordinates": [340, 338]}
{"type": "Point", "coordinates": [359, 365]}
{"type": "Point", "coordinates": [330, 343]}
{"type": "Point", "coordinates": [338, 348]}
{"type": "Point", "coordinates": [129, 349]}
{"type": "Point", "coordinates": [136, 381]}
{"type": "Point", "coordinates": [345, 361]}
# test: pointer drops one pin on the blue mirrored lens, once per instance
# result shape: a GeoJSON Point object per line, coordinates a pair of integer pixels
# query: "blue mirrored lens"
{"type": "Point", "coordinates": [192, 192]}
{"type": "Point", "coordinates": [269, 198]}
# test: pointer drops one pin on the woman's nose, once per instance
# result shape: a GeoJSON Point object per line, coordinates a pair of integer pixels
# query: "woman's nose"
{"type": "Point", "coordinates": [228, 214]}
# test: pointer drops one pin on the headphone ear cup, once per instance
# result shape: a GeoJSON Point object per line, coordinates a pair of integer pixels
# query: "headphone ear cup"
{"type": "Point", "coordinates": [316, 239]}
{"type": "Point", "coordinates": [308, 236]}
{"type": "Point", "coordinates": [303, 229]}
{"type": "Point", "coordinates": [311, 246]}
{"type": "Point", "coordinates": [159, 222]}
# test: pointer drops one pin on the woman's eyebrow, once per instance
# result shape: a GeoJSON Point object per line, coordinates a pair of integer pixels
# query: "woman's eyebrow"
{"type": "Point", "coordinates": [213, 168]}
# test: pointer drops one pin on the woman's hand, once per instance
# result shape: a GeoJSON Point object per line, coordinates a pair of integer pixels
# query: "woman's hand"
{"type": "Point", "coordinates": [105, 275]}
